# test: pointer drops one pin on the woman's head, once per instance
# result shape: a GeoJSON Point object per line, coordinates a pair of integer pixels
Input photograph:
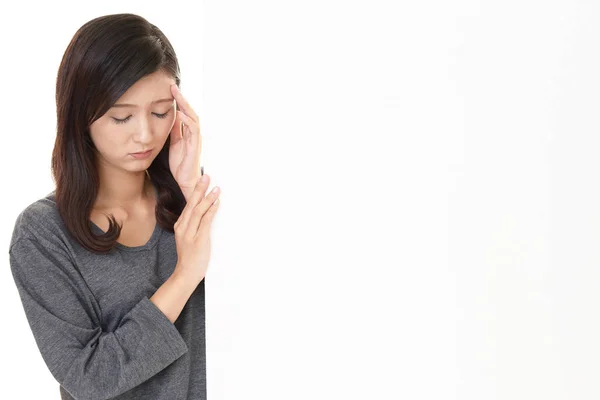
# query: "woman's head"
{"type": "Point", "coordinates": [140, 120]}
{"type": "Point", "coordinates": [111, 60]}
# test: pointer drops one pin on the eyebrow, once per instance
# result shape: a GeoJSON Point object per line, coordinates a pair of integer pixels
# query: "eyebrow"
{"type": "Point", "coordinates": [133, 105]}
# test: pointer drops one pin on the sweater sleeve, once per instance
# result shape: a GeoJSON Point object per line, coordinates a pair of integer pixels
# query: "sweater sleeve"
{"type": "Point", "coordinates": [87, 361]}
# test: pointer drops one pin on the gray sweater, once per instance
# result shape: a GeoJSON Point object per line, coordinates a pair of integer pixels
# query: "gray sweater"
{"type": "Point", "coordinates": [91, 317]}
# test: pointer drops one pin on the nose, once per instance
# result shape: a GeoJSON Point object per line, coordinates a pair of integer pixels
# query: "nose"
{"type": "Point", "coordinates": [143, 133]}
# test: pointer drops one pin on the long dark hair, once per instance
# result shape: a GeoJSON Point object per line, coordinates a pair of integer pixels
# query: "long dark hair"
{"type": "Point", "coordinates": [105, 57]}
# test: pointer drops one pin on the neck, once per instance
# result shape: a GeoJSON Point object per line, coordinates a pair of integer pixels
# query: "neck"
{"type": "Point", "coordinates": [124, 190]}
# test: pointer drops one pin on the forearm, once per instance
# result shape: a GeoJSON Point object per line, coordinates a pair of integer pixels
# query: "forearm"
{"type": "Point", "coordinates": [172, 296]}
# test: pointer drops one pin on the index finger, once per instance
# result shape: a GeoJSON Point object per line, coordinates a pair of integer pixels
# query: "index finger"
{"type": "Point", "coordinates": [195, 198]}
{"type": "Point", "coordinates": [183, 103]}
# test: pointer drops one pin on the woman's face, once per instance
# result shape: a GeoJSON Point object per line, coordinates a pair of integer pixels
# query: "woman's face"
{"type": "Point", "coordinates": [139, 120]}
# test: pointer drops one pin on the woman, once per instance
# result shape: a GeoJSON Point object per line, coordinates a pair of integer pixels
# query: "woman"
{"type": "Point", "coordinates": [110, 266]}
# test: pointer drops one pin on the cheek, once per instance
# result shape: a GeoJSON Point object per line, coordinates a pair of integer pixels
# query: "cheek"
{"type": "Point", "coordinates": [172, 118]}
{"type": "Point", "coordinates": [168, 124]}
{"type": "Point", "coordinates": [108, 140]}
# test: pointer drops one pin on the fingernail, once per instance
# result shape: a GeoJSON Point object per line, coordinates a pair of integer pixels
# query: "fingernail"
{"type": "Point", "coordinates": [203, 179]}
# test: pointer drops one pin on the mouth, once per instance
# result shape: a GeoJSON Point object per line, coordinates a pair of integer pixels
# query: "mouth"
{"type": "Point", "coordinates": [143, 154]}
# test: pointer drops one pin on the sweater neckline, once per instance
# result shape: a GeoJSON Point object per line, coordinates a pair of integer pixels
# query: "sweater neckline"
{"type": "Point", "coordinates": [148, 245]}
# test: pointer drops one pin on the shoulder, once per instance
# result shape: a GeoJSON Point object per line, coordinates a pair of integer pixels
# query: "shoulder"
{"type": "Point", "coordinates": [38, 220]}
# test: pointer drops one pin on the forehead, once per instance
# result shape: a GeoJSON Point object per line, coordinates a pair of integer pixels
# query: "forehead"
{"type": "Point", "coordinates": [147, 90]}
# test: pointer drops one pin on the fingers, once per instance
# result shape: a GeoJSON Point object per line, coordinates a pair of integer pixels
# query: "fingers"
{"type": "Point", "coordinates": [186, 120]}
{"type": "Point", "coordinates": [187, 123]}
{"type": "Point", "coordinates": [183, 104]}
{"type": "Point", "coordinates": [201, 209]}
{"type": "Point", "coordinates": [197, 195]}
{"type": "Point", "coordinates": [207, 218]}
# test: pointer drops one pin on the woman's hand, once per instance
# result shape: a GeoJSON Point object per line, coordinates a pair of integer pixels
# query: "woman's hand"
{"type": "Point", "coordinates": [185, 146]}
{"type": "Point", "coordinates": [192, 231]}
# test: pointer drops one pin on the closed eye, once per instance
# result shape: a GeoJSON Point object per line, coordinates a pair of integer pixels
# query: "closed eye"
{"type": "Point", "coordinates": [122, 121]}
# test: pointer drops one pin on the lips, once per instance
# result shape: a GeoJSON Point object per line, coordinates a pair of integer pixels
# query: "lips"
{"type": "Point", "coordinates": [142, 156]}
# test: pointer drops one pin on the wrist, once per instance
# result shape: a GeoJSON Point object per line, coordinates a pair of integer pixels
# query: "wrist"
{"type": "Point", "coordinates": [184, 278]}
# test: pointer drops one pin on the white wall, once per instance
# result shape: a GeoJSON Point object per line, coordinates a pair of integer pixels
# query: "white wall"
{"type": "Point", "coordinates": [409, 198]}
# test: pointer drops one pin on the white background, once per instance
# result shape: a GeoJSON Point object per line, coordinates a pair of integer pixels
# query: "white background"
{"type": "Point", "coordinates": [410, 206]}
